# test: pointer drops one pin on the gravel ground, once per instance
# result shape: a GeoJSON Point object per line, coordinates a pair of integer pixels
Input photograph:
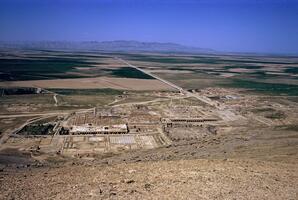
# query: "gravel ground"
{"type": "Point", "coordinates": [181, 179]}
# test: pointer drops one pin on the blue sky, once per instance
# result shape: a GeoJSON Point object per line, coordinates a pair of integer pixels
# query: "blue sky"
{"type": "Point", "coordinates": [227, 25]}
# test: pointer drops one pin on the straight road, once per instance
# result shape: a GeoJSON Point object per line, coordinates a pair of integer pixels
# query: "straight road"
{"type": "Point", "coordinates": [183, 91]}
{"type": "Point", "coordinates": [154, 76]}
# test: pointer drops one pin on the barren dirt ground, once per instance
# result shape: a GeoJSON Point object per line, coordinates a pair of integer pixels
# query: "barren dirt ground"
{"type": "Point", "coordinates": [183, 179]}
{"type": "Point", "coordinates": [89, 83]}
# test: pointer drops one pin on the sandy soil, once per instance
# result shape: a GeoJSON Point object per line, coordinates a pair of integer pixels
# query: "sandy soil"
{"type": "Point", "coordinates": [183, 179]}
{"type": "Point", "coordinates": [90, 83]}
{"type": "Point", "coordinates": [227, 75]}
{"type": "Point", "coordinates": [168, 71]}
{"type": "Point", "coordinates": [241, 70]}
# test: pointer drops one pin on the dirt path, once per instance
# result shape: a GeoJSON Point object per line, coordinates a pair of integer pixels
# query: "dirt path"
{"type": "Point", "coordinates": [55, 99]}
{"type": "Point", "coordinates": [145, 102]}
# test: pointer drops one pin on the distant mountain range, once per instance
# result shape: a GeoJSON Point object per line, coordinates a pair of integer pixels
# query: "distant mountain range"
{"type": "Point", "coordinates": [118, 45]}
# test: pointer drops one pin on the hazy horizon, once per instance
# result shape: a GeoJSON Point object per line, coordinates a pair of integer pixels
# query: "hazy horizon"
{"type": "Point", "coordinates": [229, 25]}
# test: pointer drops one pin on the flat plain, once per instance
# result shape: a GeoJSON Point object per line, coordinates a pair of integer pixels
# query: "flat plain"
{"type": "Point", "coordinates": [102, 125]}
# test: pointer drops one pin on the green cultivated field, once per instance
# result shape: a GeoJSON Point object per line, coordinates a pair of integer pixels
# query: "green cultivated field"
{"type": "Point", "coordinates": [38, 69]}
{"type": "Point", "coordinates": [58, 67]}
{"type": "Point", "coordinates": [129, 72]}
{"type": "Point", "coordinates": [268, 88]}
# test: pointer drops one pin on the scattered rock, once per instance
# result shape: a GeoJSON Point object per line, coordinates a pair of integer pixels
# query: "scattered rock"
{"type": "Point", "coordinates": [131, 171]}
{"type": "Point", "coordinates": [130, 181]}
{"type": "Point", "coordinates": [147, 186]}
